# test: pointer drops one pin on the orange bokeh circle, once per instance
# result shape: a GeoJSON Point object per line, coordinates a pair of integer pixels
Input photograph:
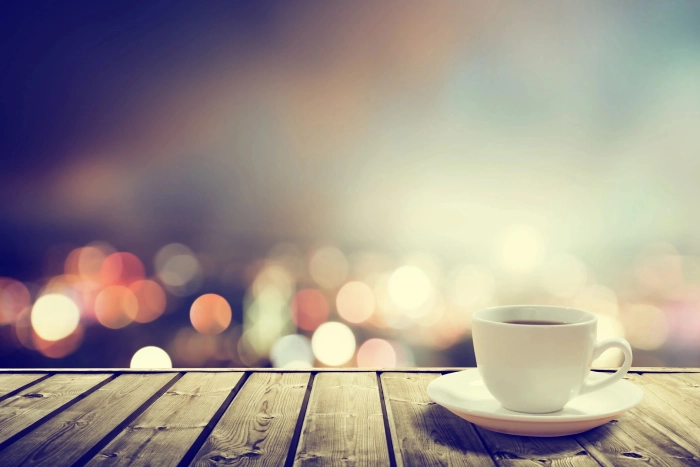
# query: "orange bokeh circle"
{"type": "Point", "coordinates": [210, 314]}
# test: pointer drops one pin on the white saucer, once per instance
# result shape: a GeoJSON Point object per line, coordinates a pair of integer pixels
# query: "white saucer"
{"type": "Point", "coordinates": [464, 394]}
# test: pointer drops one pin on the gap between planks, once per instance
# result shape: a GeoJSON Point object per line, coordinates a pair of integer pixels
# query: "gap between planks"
{"type": "Point", "coordinates": [21, 388]}
{"type": "Point", "coordinates": [54, 411]}
{"type": "Point", "coordinates": [94, 450]}
{"type": "Point", "coordinates": [206, 432]}
{"type": "Point", "coordinates": [215, 419]}
{"type": "Point", "coordinates": [294, 444]}
{"type": "Point", "coordinates": [387, 427]}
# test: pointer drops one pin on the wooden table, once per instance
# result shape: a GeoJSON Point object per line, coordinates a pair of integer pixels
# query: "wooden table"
{"type": "Point", "coordinates": [105, 417]}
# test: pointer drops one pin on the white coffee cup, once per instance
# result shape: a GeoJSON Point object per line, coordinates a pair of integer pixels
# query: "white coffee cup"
{"type": "Point", "coordinates": [538, 368]}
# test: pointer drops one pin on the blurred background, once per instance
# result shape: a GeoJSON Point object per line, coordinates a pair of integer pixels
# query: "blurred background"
{"type": "Point", "coordinates": [250, 184]}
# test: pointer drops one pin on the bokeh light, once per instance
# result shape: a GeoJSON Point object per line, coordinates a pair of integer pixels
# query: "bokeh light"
{"type": "Point", "coordinates": [91, 258]}
{"type": "Point", "coordinates": [415, 303]}
{"type": "Point", "coordinates": [684, 322]}
{"type": "Point", "coordinates": [178, 269]}
{"type": "Point", "coordinates": [376, 353]}
{"type": "Point", "coordinates": [387, 314]}
{"type": "Point", "coordinates": [434, 314]}
{"type": "Point", "coordinates": [355, 302]}
{"type": "Point", "coordinates": [23, 330]}
{"type": "Point", "coordinates": [116, 306]}
{"type": "Point", "coordinates": [309, 309]}
{"type": "Point", "coordinates": [428, 263]}
{"type": "Point", "coordinates": [520, 248]}
{"type": "Point", "coordinates": [121, 269]}
{"type": "Point", "coordinates": [86, 262]}
{"type": "Point", "coordinates": [273, 276]}
{"type": "Point", "coordinates": [151, 357]}
{"type": "Point", "coordinates": [267, 317]}
{"type": "Point", "coordinates": [328, 266]}
{"type": "Point", "coordinates": [59, 348]}
{"type": "Point", "coordinates": [292, 351]}
{"type": "Point", "coordinates": [151, 300]}
{"type": "Point", "coordinates": [410, 289]}
{"type": "Point", "coordinates": [248, 349]}
{"type": "Point", "coordinates": [646, 326]}
{"type": "Point", "coordinates": [210, 314]}
{"type": "Point", "coordinates": [333, 343]}
{"type": "Point", "coordinates": [14, 297]}
{"type": "Point", "coordinates": [54, 317]}
{"type": "Point", "coordinates": [62, 284]}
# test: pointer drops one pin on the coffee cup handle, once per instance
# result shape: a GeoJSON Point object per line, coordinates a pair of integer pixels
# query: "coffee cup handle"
{"type": "Point", "coordinates": [602, 346]}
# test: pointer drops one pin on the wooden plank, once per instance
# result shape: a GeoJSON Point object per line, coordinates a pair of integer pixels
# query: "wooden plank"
{"type": "Point", "coordinates": [520, 451]}
{"type": "Point", "coordinates": [671, 407]}
{"type": "Point", "coordinates": [165, 431]}
{"type": "Point", "coordinates": [34, 403]}
{"type": "Point", "coordinates": [306, 370]}
{"type": "Point", "coordinates": [258, 426]}
{"type": "Point", "coordinates": [686, 389]}
{"type": "Point", "coordinates": [344, 423]}
{"type": "Point", "coordinates": [630, 441]}
{"type": "Point", "coordinates": [424, 433]}
{"type": "Point", "coordinates": [66, 437]}
{"type": "Point", "coordinates": [12, 382]}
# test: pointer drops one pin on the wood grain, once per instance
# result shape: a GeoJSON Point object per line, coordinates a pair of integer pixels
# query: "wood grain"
{"type": "Point", "coordinates": [12, 382]}
{"type": "Point", "coordinates": [686, 391]}
{"type": "Point", "coordinates": [165, 431]}
{"type": "Point", "coordinates": [520, 451]}
{"type": "Point", "coordinates": [66, 437]}
{"type": "Point", "coordinates": [422, 432]}
{"type": "Point", "coordinates": [258, 426]}
{"type": "Point", "coordinates": [662, 430]}
{"type": "Point", "coordinates": [73, 416]}
{"type": "Point", "coordinates": [630, 441]}
{"type": "Point", "coordinates": [671, 407]}
{"type": "Point", "coordinates": [34, 403]}
{"type": "Point", "coordinates": [344, 423]}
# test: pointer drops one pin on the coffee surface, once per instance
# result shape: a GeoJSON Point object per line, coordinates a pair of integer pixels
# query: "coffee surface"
{"type": "Point", "coordinates": [538, 323]}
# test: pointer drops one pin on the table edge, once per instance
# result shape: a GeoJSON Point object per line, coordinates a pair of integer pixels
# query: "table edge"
{"type": "Point", "coordinates": [306, 370]}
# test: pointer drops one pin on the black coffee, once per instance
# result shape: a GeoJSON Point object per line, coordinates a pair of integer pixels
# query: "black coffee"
{"type": "Point", "coordinates": [538, 323]}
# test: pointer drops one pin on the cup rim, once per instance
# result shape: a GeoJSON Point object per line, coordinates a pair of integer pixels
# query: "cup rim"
{"type": "Point", "coordinates": [592, 318]}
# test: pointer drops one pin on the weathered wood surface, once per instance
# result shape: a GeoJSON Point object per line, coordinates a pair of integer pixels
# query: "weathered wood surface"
{"type": "Point", "coordinates": [63, 439]}
{"type": "Point", "coordinates": [312, 417]}
{"type": "Point", "coordinates": [12, 382]}
{"type": "Point", "coordinates": [259, 425]}
{"type": "Point", "coordinates": [36, 402]}
{"type": "Point", "coordinates": [630, 441]}
{"type": "Point", "coordinates": [422, 432]}
{"type": "Point", "coordinates": [167, 429]}
{"type": "Point", "coordinates": [344, 422]}
{"type": "Point", "coordinates": [519, 451]}
{"type": "Point", "coordinates": [662, 430]}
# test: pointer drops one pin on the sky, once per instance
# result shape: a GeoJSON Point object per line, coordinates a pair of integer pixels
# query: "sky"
{"type": "Point", "coordinates": [421, 124]}
{"type": "Point", "coordinates": [478, 135]}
